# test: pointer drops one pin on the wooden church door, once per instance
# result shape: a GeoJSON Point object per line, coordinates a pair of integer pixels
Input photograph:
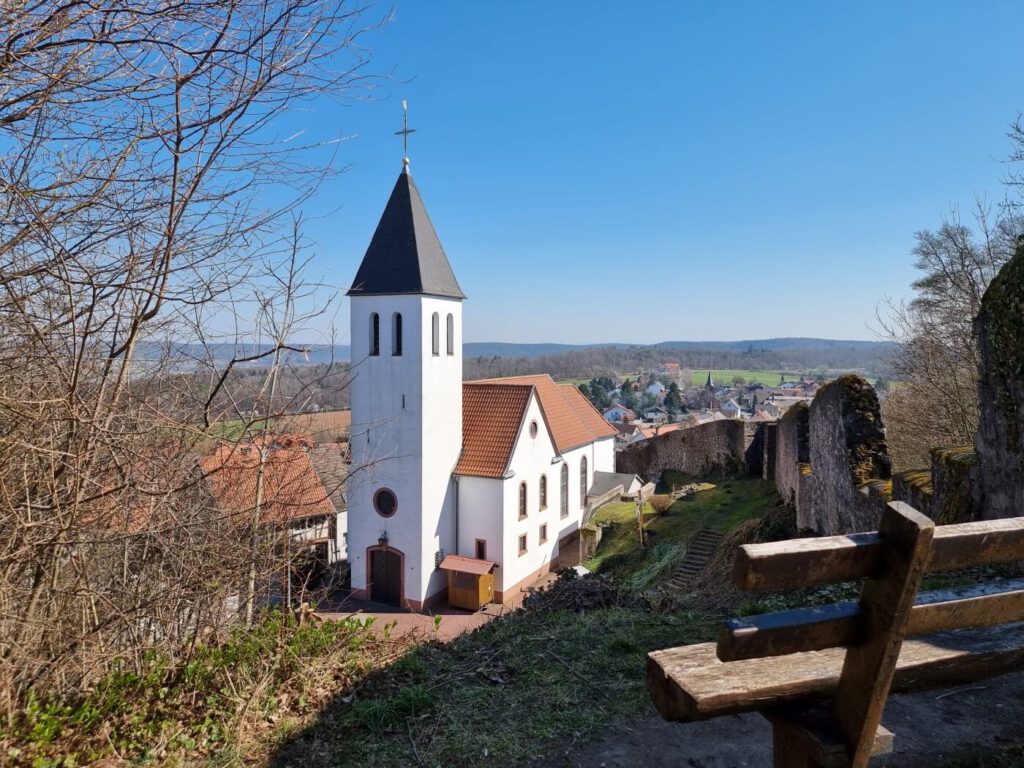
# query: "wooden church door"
{"type": "Point", "coordinates": [386, 577]}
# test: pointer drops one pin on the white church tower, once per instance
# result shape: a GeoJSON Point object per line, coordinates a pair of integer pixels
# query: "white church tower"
{"type": "Point", "coordinates": [406, 436]}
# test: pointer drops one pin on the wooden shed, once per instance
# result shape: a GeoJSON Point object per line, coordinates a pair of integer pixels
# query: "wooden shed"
{"type": "Point", "coordinates": [470, 581]}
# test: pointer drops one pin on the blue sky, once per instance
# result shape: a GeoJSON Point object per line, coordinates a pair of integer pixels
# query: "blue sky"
{"type": "Point", "coordinates": [702, 171]}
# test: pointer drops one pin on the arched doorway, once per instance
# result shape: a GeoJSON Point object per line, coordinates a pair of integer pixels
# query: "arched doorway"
{"type": "Point", "coordinates": [385, 577]}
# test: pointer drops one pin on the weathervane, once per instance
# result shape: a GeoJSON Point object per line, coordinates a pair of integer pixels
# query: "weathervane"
{"type": "Point", "coordinates": [404, 133]}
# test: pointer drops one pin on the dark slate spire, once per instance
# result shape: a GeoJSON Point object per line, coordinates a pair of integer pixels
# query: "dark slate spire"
{"type": "Point", "coordinates": [405, 256]}
{"type": "Point", "coordinates": [711, 382]}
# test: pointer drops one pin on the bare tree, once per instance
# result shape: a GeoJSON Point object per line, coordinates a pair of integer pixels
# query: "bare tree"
{"type": "Point", "coordinates": [149, 151]}
{"type": "Point", "coordinates": [935, 401]}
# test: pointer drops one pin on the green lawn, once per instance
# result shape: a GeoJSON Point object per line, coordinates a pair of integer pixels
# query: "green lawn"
{"type": "Point", "coordinates": [721, 506]}
{"type": "Point", "coordinates": [768, 378]}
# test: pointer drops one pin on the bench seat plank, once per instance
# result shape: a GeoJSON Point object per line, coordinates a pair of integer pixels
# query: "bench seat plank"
{"type": "Point", "coordinates": [690, 683]}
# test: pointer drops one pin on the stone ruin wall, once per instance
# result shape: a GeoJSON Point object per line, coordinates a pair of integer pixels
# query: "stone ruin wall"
{"type": "Point", "coordinates": [791, 434]}
{"type": "Point", "coordinates": [847, 451]}
{"type": "Point", "coordinates": [999, 441]}
{"type": "Point", "coordinates": [717, 447]}
{"type": "Point", "coordinates": [830, 462]}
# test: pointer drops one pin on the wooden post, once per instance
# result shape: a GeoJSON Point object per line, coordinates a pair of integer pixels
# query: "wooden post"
{"type": "Point", "coordinates": [886, 600]}
{"type": "Point", "coordinates": [640, 515]}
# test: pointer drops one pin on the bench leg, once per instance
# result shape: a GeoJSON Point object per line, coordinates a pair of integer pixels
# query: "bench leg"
{"type": "Point", "coordinates": [806, 735]}
{"type": "Point", "coordinates": [789, 747]}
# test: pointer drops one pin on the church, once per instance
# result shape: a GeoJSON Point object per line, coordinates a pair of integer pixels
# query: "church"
{"type": "Point", "coordinates": [475, 485]}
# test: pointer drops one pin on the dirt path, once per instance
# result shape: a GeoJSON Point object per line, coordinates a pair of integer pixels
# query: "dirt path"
{"type": "Point", "coordinates": [931, 728]}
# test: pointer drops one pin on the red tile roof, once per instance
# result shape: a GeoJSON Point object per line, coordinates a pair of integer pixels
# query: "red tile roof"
{"type": "Point", "coordinates": [493, 411]}
{"type": "Point", "coordinates": [291, 488]}
{"type": "Point", "coordinates": [491, 417]}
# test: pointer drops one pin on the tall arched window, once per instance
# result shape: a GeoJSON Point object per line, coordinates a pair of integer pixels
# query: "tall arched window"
{"type": "Point", "coordinates": [543, 491]}
{"type": "Point", "coordinates": [451, 334]}
{"type": "Point", "coordinates": [374, 334]}
{"type": "Point", "coordinates": [583, 481]}
{"type": "Point", "coordinates": [522, 501]}
{"type": "Point", "coordinates": [435, 330]}
{"type": "Point", "coordinates": [396, 334]}
{"type": "Point", "coordinates": [565, 490]}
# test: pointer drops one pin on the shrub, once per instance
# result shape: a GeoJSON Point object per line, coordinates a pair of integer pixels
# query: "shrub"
{"type": "Point", "coordinates": [660, 503]}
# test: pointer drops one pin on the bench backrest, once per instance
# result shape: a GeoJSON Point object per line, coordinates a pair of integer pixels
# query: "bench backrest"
{"type": "Point", "coordinates": [892, 562]}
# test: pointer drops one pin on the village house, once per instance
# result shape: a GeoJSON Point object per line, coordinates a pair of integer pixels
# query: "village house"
{"type": "Point", "coordinates": [477, 487]}
{"type": "Point", "coordinates": [655, 414]}
{"type": "Point", "coordinates": [655, 389]}
{"type": "Point", "coordinates": [274, 483]}
{"type": "Point", "coordinates": [626, 434]}
{"type": "Point", "coordinates": [619, 412]}
{"type": "Point", "coordinates": [731, 409]}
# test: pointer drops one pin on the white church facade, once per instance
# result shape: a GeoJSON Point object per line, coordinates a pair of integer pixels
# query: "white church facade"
{"type": "Point", "coordinates": [449, 476]}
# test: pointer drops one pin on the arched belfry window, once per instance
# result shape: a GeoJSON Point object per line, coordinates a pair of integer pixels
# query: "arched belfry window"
{"type": "Point", "coordinates": [564, 511]}
{"type": "Point", "coordinates": [543, 491]}
{"type": "Point", "coordinates": [583, 481]}
{"type": "Point", "coordinates": [435, 330]}
{"type": "Point", "coordinates": [396, 334]}
{"type": "Point", "coordinates": [522, 501]}
{"type": "Point", "coordinates": [374, 334]}
{"type": "Point", "coordinates": [451, 334]}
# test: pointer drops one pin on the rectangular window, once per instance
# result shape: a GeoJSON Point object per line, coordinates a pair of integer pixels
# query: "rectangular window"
{"type": "Point", "coordinates": [522, 544]}
{"type": "Point", "coordinates": [481, 549]}
{"type": "Point", "coordinates": [565, 491]}
{"type": "Point", "coordinates": [543, 533]}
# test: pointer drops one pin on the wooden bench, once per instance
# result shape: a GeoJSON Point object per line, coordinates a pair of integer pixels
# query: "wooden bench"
{"type": "Point", "coordinates": [822, 675]}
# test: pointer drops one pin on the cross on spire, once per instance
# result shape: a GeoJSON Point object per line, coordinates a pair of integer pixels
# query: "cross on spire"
{"type": "Point", "coordinates": [404, 133]}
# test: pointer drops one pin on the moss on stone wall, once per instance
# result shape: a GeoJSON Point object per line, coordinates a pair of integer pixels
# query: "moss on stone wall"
{"type": "Point", "coordinates": [865, 435]}
{"type": "Point", "coordinates": [918, 479]}
{"type": "Point", "coordinates": [1003, 314]}
{"type": "Point", "coordinates": [952, 481]}
{"type": "Point", "coordinates": [878, 489]}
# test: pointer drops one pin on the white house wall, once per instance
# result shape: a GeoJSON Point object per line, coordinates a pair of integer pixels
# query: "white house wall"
{"type": "Point", "coordinates": [531, 458]}
{"type": "Point", "coordinates": [481, 504]}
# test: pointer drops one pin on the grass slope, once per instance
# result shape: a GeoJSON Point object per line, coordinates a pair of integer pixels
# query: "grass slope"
{"type": "Point", "coordinates": [721, 506]}
{"type": "Point", "coordinates": [514, 690]}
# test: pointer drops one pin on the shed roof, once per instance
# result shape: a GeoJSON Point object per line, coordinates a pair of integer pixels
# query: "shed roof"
{"type": "Point", "coordinates": [604, 482]}
{"type": "Point", "coordinates": [461, 564]}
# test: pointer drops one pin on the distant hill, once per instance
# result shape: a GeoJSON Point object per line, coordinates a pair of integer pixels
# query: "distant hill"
{"type": "Point", "coordinates": [320, 354]}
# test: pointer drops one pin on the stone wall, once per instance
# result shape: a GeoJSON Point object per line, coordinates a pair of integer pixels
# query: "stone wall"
{"type": "Point", "coordinates": [717, 447]}
{"type": "Point", "coordinates": [999, 441]}
{"type": "Point", "coordinates": [948, 491]}
{"type": "Point", "coordinates": [791, 450]}
{"type": "Point", "coordinates": [831, 464]}
{"type": "Point", "coordinates": [847, 451]}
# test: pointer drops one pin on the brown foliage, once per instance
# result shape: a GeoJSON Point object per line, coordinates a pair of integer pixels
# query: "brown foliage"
{"type": "Point", "coordinates": [138, 142]}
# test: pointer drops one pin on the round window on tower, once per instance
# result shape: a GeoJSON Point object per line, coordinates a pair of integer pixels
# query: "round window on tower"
{"type": "Point", "coordinates": [385, 502]}
{"type": "Point", "coordinates": [533, 429]}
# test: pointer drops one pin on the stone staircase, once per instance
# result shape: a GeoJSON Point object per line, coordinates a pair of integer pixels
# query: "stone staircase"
{"type": "Point", "coordinates": [702, 547]}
